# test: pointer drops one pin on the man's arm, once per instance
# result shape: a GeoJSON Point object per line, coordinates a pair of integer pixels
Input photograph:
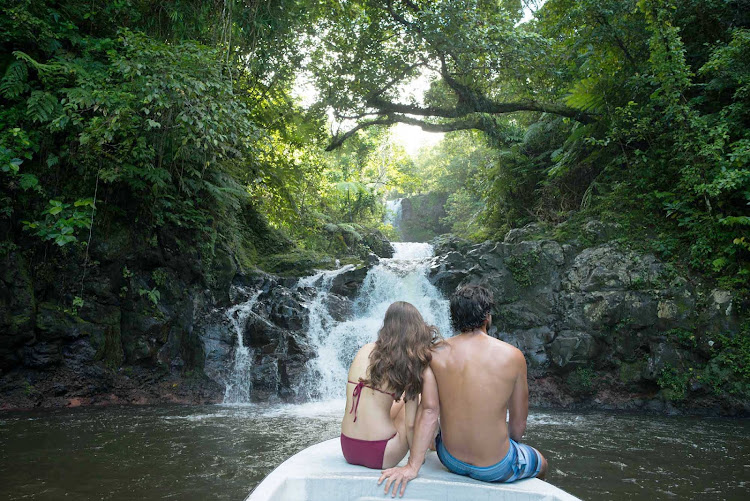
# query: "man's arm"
{"type": "Point", "coordinates": [518, 405]}
{"type": "Point", "coordinates": [410, 415]}
{"type": "Point", "coordinates": [425, 429]}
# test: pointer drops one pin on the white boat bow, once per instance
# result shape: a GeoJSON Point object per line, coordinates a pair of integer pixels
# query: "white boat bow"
{"type": "Point", "coordinates": [320, 473]}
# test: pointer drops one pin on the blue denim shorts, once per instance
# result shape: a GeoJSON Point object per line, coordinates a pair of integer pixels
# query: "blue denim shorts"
{"type": "Point", "coordinates": [522, 461]}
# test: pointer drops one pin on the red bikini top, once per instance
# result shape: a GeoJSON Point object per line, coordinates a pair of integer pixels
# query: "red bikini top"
{"type": "Point", "coordinates": [357, 393]}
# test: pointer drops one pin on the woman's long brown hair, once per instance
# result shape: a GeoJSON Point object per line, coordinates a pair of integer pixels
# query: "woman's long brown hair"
{"type": "Point", "coordinates": [402, 351]}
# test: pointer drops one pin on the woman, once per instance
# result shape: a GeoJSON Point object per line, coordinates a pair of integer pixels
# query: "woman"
{"type": "Point", "coordinates": [377, 430]}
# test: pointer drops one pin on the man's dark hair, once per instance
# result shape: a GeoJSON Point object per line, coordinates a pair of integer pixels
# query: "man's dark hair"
{"type": "Point", "coordinates": [470, 306]}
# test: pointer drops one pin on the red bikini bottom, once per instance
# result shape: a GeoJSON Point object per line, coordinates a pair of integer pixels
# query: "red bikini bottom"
{"type": "Point", "coordinates": [367, 453]}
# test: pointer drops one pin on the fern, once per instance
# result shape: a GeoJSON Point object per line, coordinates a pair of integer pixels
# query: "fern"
{"type": "Point", "coordinates": [41, 106]}
{"type": "Point", "coordinates": [585, 96]}
{"type": "Point", "coordinates": [40, 67]}
{"type": "Point", "coordinates": [14, 82]}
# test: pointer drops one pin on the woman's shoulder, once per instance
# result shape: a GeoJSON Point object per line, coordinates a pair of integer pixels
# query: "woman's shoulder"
{"type": "Point", "coordinates": [366, 349]}
{"type": "Point", "coordinates": [363, 353]}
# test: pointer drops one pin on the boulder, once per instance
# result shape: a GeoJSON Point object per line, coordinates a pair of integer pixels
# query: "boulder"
{"type": "Point", "coordinates": [347, 284]}
{"type": "Point", "coordinates": [517, 235]}
{"type": "Point", "coordinates": [572, 348]}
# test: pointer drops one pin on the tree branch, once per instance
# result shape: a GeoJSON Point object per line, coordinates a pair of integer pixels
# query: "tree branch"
{"type": "Point", "coordinates": [481, 105]}
{"type": "Point", "coordinates": [338, 140]}
{"type": "Point", "coordinates": [475, 122]}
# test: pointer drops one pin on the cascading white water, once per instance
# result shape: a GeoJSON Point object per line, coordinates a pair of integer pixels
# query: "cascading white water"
{"type": "Point", "coordinates": [393, 213]}
{"type": "Point", "coordinates": [238, 384]}
{"type": "Point", "coordinates": [402, 278]}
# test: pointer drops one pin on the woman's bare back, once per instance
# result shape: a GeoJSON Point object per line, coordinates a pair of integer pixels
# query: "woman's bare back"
{"type": "Point", "coordinates": [373, 411]}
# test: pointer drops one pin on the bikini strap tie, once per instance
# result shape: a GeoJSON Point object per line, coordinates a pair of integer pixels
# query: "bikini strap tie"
{"type": "Point", "coordinates": [356, 394]}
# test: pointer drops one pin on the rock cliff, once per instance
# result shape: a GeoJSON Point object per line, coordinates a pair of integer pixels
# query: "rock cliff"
{"type": "Point", "coordinates": [602, 326]}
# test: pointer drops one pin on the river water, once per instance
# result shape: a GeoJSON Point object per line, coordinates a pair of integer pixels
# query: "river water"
{"type": "Point", "coordinates": [222, 452]}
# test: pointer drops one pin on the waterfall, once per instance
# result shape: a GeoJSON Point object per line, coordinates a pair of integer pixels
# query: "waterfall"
{"type": "Point", "coordinates": [402, 278]}
{"type": "Point", "coordinates": [393, 213]}
{"type": "Point", "coordinates": [238, 384]}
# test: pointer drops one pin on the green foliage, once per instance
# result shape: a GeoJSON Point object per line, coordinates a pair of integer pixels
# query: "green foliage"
{"type": "Point", "coordinates": [674, 383]}
{"type": "Point", "coordinates": [159, 276]}
{"type": "Point", "coordinates": [78, 302]}
{"type": "Point", "coordinates": [62, 220]}
{"type": "Point", "coordinates": [178, 122]}
{"type": "Point", "coordinates": [728, 370]}
{"type": "Point", "coordinates": [666, 155]}
{"type": "Point", "coordinates": [153, 295]}
{"type": "Point", "coordinates": [522, 267]}
{"type": "Point", "coordinates": [684, 337]}
{"type": "Point", "coordinates": [581, 380]}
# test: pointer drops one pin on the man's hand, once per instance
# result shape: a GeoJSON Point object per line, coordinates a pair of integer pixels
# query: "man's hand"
{"type": "Point", "coordinates": [398, 477]}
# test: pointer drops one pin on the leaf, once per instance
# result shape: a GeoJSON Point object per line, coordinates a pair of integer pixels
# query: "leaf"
{"type": "Point", "coordinates": [64, 239]}
{"type": "Point", "coordinates": [585, 96]}
{"type": "Point", "coordinates": [28, 181]}
{"type": "Point", "coordinates": [13, 82]}
{"type": "Point", "coordinates": [84, 202]}
{"type": "Point", "coordinates": [41, 106]}
{"type": "Point", "coordinates": [735, 220]}
{"type": "Point", "coordinates": [14, 165]}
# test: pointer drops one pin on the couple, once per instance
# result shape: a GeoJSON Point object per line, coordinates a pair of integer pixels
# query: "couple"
{"type": "Point", "coordinates": [470, 381]}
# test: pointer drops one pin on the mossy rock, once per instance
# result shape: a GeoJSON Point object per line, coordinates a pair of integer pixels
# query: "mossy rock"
{"type": "Point", "coordinates": [298, 263]}
{"type": "Point", "coordinates": [631, 373]}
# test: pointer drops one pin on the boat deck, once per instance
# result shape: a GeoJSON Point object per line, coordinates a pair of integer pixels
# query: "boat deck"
{"type": "Point", "coordinates": [320, 473]}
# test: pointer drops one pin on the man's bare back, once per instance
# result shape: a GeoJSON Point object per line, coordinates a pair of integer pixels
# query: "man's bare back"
{"type": "Point", "coordinates": [472, 382]}
{"type": "Point", "coordinates": [477, 378]}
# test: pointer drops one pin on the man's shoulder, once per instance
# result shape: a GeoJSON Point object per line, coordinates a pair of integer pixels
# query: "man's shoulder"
{"type": "Point", "coordinates": [503, 345]}
{"type": "Point", "coordinates": [508, 352]}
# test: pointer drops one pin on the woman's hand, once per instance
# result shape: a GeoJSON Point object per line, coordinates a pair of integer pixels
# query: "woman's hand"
{"type": "Point", "coordinates": [398, 477]}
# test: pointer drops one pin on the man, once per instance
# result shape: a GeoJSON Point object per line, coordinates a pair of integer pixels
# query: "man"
{"type": "Point", "coordinates": [471, 383]}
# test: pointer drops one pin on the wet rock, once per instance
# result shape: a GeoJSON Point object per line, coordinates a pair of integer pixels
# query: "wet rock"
{"type": "Point", "coordinates": [265, 377]}
{"type": "Point", "coordinates": [377, 243]}
{"type": "Point", "coordinates": [348, 283]}
{"type": "Point", "coordinates": [339, 307]}
{"type": "Point", "coordinates": [218, 337]}
{"type": "Point", "coordinates": [285, 308]}
{"type": "Point", "coordinates": [53, 322]}
{"type": "Point", "coordinates": [17, 309]}
{"type": "Point", "coordinates": [443, 244]}
{"type": "Point", "coordinates": [78, 354]}
{"type": "Point", "coordinates": [262, 333]}
{"type": "Point", "coordinates": [143, 335]}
